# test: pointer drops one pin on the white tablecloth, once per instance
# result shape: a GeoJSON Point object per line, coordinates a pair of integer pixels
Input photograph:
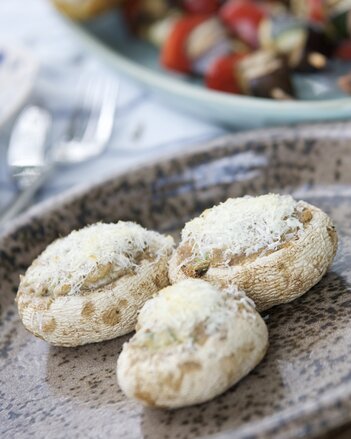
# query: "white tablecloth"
{"type": "Point", "coordinates": [144, 127]}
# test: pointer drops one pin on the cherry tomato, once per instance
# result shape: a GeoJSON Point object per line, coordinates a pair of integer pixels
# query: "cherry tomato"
{"type": "Point", "coordinates": [243, 17]}
{"type": "Point", "coordinates": [222, 74]}
{"type": "Point", "coordinates": [316, 11]}
{"type": "Point", "coordinates": [173, 54]}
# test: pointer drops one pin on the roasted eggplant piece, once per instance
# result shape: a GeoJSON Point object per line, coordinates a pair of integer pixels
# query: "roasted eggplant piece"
{"type": "Point", "coordinates": [265, 74]}
{"type": "Point", "coordinates": [306, 47]}
{"type": "Point", "coordinates": [314, 52]}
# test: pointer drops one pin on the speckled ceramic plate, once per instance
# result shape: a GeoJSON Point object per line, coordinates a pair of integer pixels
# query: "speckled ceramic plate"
{"type": "Point", "coordinates": [303, 386]}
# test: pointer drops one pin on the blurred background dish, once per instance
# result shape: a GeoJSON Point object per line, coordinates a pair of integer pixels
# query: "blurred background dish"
{"type": "Point", "coordinates": [320, 98]}
{"type": "Point", "coordinates": [18, 70]}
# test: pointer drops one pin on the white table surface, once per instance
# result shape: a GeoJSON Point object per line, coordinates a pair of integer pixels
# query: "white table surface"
{"type": "Point", "coordinates": [144, 127]}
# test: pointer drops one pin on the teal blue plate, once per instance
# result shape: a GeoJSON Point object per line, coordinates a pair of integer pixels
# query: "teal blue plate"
{"type": "Point", "coordinates": [319, 100]}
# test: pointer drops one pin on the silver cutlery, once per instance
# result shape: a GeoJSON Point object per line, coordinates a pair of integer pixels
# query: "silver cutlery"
{"type": "Point", "coordinates": [29, 161]}
{"type": "Point", "coordinates": [27, 146]}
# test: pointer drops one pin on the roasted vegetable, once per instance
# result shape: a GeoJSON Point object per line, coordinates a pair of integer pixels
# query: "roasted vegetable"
{"type": "Point", "coordinates": [280, 37]}
{"type": "Point", "coordinates": [174, 54]}
{"type": "Point", "coordinates": [306, 48]}
{"type": "Point", "coordinates": [313, 53]}
{"type": "Point", "coordinates": [205, 43]}
{"type": "Point", "coordinates": [243, 17]}
{"type": "Point", "coordinates": [222, 74]}
{"type": "Point", "coordinates": [265, 74]}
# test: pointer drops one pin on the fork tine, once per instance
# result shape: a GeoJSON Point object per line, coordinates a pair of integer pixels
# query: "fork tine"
{"type": "Point", "coordinates": [91, 104]}
{"type": "Point", "coordinates": [74, 129]}
{"type": "Point", "coordinates": [100, 103]}
{"type": "Point", "coordinates": [97, 108]}
{"type": "Point", "coordinates": [105, 119]}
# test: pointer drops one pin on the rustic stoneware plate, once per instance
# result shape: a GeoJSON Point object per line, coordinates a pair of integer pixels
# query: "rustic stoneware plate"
{"type": "Point", "coordinates": [301, 389]}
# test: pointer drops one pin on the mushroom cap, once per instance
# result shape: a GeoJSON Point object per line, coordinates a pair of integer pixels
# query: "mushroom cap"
{"type": "Point", "coordinates": [272, 247]}
{"type": "Point", "coordinates": [89, 286]}
{"type": "Point", "coordinates": [192, 343]}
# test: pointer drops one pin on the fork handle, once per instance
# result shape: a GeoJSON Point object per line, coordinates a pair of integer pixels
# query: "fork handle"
{"type": "Point", "coordinates": [24, 198]}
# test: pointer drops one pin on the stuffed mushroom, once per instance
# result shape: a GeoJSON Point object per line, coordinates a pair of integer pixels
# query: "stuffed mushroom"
{"type": "Point", "coordinates": [89, 286]}
{"type": "Point", "coordinates": [192, 343]}
{"type": "Point", "coordinates": [271, 246]}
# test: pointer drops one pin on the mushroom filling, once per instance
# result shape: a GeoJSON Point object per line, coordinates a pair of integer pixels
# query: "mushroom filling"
{"type": "Point", "coordinates": [92, 258]}
{"type": "Point", "coordinates": [157, 340]}
{"type": "Point", "coordinates": [196, 265]}
{"type": "Point", "coordinates": [188, 314]}
{"type": "Point", "coordinates": [100, 276]}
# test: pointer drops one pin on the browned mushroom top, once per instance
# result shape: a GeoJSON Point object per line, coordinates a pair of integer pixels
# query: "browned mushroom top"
{"type": "Point", "coordinates": [91, 258]}
{"type": "Point", "coordinates": [241, 229]}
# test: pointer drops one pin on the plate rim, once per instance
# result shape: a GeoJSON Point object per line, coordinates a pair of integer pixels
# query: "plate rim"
{"type": "Point", "coordinates": [313, 130]}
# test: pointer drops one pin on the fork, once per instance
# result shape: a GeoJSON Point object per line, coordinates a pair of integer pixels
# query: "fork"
{"type": "Point", "coordinates": [80, 145]}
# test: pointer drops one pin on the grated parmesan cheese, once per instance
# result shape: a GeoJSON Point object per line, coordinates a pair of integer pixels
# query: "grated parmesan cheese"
{"type": "Point", "coordinates": [92, 257]}
{"type": "Point", "coordinates": [174, 314]}
{"type": "Point", "coordinates": [243, 226]}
